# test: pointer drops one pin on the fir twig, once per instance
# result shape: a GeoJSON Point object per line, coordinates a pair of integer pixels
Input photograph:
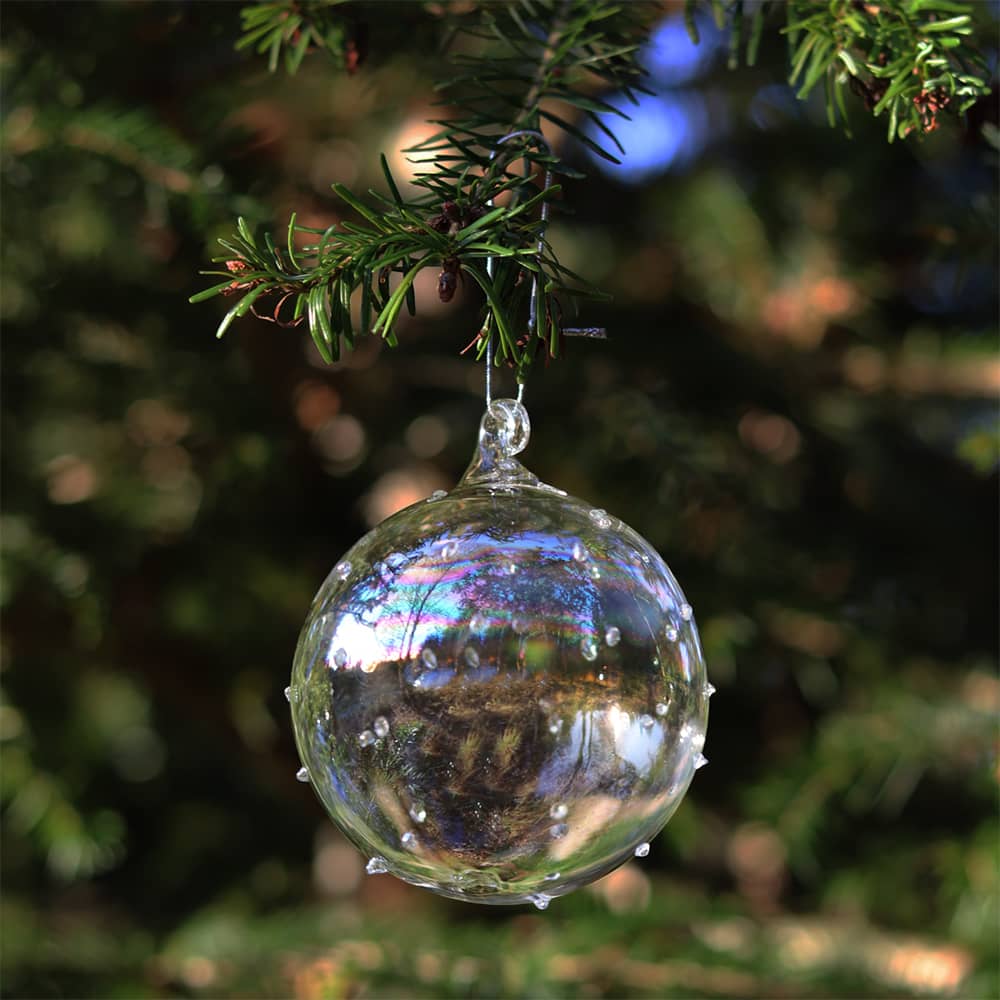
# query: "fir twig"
{"type": "Point", "coordinates": [527, 61]}
{"type": "Point", "coordinates": [472, 206]}
{"type": "Point", "coordinates": [291, 29]}
{"type": "Point", "coordinates": [910, 60]}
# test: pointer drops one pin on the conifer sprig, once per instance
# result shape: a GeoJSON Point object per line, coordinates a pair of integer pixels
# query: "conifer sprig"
{"type": "Point", "coordinates": [531, 65]}
{"type": "Point", "coordinates": [279, 28]}
{"type": "Point", "coordinates": [911, 60]}
{"type": "Point", "coordinates": [479, 197]}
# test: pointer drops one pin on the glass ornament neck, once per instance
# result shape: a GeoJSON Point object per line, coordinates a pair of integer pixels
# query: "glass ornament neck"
{"type": "Point", "coordinates": [503, 433]}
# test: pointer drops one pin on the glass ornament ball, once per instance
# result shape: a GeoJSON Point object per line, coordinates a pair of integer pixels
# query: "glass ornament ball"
{"type": "Point", "coordinates": [499, 693]}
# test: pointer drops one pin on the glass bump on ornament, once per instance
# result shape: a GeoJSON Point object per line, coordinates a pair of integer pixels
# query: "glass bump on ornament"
{"type": "Point", "coordinates": [499, 693]}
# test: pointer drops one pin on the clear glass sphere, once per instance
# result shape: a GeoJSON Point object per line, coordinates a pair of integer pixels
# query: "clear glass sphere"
{"type": "Point", "coordinates": [499, 693]}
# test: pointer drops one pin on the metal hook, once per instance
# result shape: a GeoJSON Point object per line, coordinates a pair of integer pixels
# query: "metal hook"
{"type": "Point", "coordinates": [542, 142]}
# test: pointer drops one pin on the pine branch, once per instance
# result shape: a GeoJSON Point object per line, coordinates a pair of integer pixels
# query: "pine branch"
{"type": "Point", "coordinates": [908, 59]}
{"type": "Point", "coordinates": [473, 206]}
{"type": "Point", "coordinates": [529, 59]}
{"type": "Point", "coordinates": [292, 29]}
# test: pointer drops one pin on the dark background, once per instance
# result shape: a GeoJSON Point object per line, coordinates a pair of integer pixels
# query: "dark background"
{"type": "Point", "coordinates": [796, 405]}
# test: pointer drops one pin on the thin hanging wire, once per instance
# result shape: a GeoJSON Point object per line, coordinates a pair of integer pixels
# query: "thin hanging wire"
{"type": "Point", "coordinates": [540, 141]}
{"type": "Point", "coordinates": [489, 354]}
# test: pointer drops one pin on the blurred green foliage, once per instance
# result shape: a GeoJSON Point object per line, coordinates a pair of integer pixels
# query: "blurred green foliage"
{"type": "Point", "coordinates": [796, 405]}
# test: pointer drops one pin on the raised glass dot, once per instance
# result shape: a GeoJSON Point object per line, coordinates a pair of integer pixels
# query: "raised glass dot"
{"type": "Point", "coordinates": [612, 636]}
{"type": "Point", "coordinates": [302, 774]}
{"type": "Point", "coordinates": [595, 573]}
{"type": "Point", "coordinates": [646, 721]}
{"type": "Point", "coordinates": [589, 649]}
{"type": "Point", "coordinates": [559, 811]}
{"type": "Point", "coordinates": [342, 569]}
{"type": "Point", "coordinates": [366, 737]}
{"type": "Point", "coordinates": [687, 612]}
{"type": "Point", "coordinates": [541, 901]}
{"type": "Point", "coordinates": [418, 813]}
{"type": "Point", "coordinates": [409, 840]}
{"type": "Point", "coordinates": [642, 850]}
{"type": "Point", "coordinates": [700, 761]}
{"type": "Point", "coordinates": [340, 658]}
{"type": "Point", "coordinates": [381, 727]}
{"type": "Point", "coordinates": [511, 568]}
{"type": "Point", "coordinates": [580, 552]}
{"type": "Point", "coordinates": [288, 694]}
{"type": "Point", "coordinates": [377, 866]}
{"type": "Point", "coordinates": [428, 658]}
{"type": "Point", "coordinates": [671, 633]}
{"type": "Point", "coordinates": [600, 518]}
{"type": "Point", "coordinates": [555, 726]}
{"type": "Point", "coordinates": [662, 707]}
{"type": "Point", "coordinates": [709, 690]}
{"type": "Point", "coordinates": [558, 830]}
{"type": "Point", "coordinates": [437, 495]}
{"type": "Point", "coordinates": [471, 657]}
